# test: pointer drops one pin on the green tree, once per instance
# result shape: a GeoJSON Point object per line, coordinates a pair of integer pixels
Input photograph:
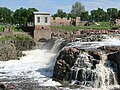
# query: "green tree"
{"type": "Point", "coordinates": [112, 13]}
{"type": "Point", "coordinates": [60, 13]}
{"type": "Point", "coordinates": [119, 14]}
{"type": "Point", "coordinates": [20, 16]}
{"type": "Point", "coordinates": [84, 16]}
{"type": "Point", "coordinates": [77, 9]}
{"type": "Point", "coordinates": [5, 15]}
{"type": "Point", "coordinates": [99, 15]}
{"type": "Point", "coordinates": [30, 11]}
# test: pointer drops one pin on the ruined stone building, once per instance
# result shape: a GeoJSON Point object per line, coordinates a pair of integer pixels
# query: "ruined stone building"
{"type": "Point", "coordinates": [43, 21]}
{"type": "Point", "coordinates": [117, 21]}
{"type": "Point", "coordinates": [57, 21]}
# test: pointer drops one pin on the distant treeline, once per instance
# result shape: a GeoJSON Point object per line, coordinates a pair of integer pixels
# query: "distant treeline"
{"type": "Point", "coordinates": [98, 15]}
{"type": "Point", "coordinates": [22, 16]}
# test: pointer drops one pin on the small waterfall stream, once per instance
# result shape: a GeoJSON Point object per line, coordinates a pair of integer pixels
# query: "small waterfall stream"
{"type": "Point", "coordinates": [58, 45]}
{"type": "Point", "coordinates": [103, 74]}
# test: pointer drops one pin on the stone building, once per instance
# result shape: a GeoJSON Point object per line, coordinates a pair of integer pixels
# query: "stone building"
{"type": "Point", "coordinates": [57, 21]}
{"type": "Point", "coordinates": [43, 21]}
{"type": "Point", "coordinates": [117, 21]}
{"type": "Point", "coordinates": [42, 25]}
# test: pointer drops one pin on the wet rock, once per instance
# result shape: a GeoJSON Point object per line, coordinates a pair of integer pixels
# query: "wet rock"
{"type": "Point", "coordinates": [115, 57]}
{"type": "Point", "coordinates": [7, 87]}
{"type": "Point", "coordinates": [109, 49]}
{"type": "Point", "coordinates": [95, 54]}
{"type": "Point", "coordinates": [64, 62]}
{"type": "Point", "coordinates": [74, 64]}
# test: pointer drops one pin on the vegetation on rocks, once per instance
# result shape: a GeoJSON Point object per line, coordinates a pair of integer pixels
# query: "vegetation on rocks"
{"type": "Point", "coordinates": [11, 47]}
{"type": "Point", "coordinates": [16, 37]}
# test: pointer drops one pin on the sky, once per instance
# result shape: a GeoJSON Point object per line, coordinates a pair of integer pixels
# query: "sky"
{"type": "Point", "coordinates": [53, 5]}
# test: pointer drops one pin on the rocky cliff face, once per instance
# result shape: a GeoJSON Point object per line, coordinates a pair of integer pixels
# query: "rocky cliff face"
{"type": "Point", "coordinates": [8, 52]}
{"type": "Point", "coordinates": [11, 48]}
{"type": "Point", "coordinates": [85, 67]}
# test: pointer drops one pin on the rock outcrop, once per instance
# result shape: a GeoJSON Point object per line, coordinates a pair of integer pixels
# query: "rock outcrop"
{"type": "Point", "coordinates": [11, 47]}
{"type": "Point", "coordinates": [8, 52]}
{"type": "Point", "coordinates": [7, 87]}
{"type": "Point", "coordinates": [84, 67]}
{"type": "Point", "coordinates": [115, 57]}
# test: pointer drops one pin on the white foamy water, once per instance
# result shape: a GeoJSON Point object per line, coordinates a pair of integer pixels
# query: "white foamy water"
{"type": "Point", "coordinates": [37, 65]}
{"type": "Point", "coordinates": [106, 42]}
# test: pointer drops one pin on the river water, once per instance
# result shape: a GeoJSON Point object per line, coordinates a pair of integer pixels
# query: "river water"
{"type": "Point", "coordinates": [34, 71]}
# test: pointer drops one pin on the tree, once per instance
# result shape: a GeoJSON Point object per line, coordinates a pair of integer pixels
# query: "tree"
{"type": "Point", "coordinates": [60, 13]}
{"type": "Point", "coordinates": [20, 16]}
{"type": "Point", "coordinates": [119, 14]}
{"type": "Point", "coordinates": [99, 15]}
{"type": "Point", "coordinates": [84, 16]}
{"type": "Point", "coordinates": [30, 14]}
{"type": "Point", "coordinates": [5, 15]}
{"type": "Point", "coordinates": [112, 13]}
{"type": "Point", "coordinates": [77, 9]}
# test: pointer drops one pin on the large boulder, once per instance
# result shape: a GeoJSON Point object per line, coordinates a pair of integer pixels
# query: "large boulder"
{"type": "Point", "coordinates": [8, 52]}
{"type": "Point", "coordinates": [71, 62]}
{"type": "Point", "coordinates": [84, 67]}
{"type": "Point", "coordinates": [7, 87]}
{"type": "Point", "coordinates": [64, 62]}
{"type": "Point", "coordinates": [109, 49]}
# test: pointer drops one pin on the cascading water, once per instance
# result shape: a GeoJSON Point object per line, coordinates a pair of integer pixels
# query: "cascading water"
{"type": "Point", "coordinates": [31, 71]}
{"type": "Point", "coordinates": [58, 45]}
{"type": "Point", "coordinates": [36, 68]}
{"type": "Point", "coordinates": [103, 74]}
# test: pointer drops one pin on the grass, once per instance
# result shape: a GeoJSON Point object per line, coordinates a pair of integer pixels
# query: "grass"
{"type": "Point", "coordinates": [17, 37]}
{"type": "Point", "coordinates": [103, 25]}
{"type": "Point", "coordinates": [14, 28]}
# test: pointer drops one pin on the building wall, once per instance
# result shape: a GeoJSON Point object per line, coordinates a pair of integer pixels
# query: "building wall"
{"type": "Point", "coordinates": [38, 34]}
{"type": "Point", "coordinates": [42, 19]}
{"type": "Point", "coordinates": [117, 21]}
{"type": "Point", "coordinates": [42, 28]}
{"type": "Point", "coordinates": [64, 21]}
{"type": "Point", "coordinates": [78, 22]}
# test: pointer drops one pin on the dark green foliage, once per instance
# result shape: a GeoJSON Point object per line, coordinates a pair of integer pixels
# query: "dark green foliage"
{"type": "Point", "coordinates": [5, 15]}
{"type": "Point", "coordinates": [112, 13]}
{"type": "Point", "coordinates": [30, 17]}
{"type": "Point", "coordinates": [99, 15]}
{"type": "Point", "coordinates": [22, 16]}
{"type": "Point", "coordinates": [60, 13]}
{"type": "Point", "coordinates": [85, 16]}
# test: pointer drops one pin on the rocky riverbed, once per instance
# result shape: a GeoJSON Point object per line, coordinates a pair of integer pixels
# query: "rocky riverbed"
{"type": "Point", "coordinates": [74, 61]}
{"type": "Point", "coordinates": [91, 60]}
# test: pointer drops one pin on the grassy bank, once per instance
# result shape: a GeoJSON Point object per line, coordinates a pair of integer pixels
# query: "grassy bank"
{"type": "Point", "coordinates": [16, 38]}
{"type": "Point", "coordinates": [102, 25]}
{"type": "Point", "coordinates": [13, 28]}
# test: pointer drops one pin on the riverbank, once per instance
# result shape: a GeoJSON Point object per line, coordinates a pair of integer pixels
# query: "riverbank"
{"type": "Point", "coordinates": [11, 47]}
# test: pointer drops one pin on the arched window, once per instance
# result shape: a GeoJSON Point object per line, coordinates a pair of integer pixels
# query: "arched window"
{"type": "Point", "coordinates": [42, 28]}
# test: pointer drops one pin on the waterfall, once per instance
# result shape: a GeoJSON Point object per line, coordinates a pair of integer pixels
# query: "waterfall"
{"type": "Point", "coordinates": [58, 45]}
{"type": "Point", "coordinates": [103, 74]}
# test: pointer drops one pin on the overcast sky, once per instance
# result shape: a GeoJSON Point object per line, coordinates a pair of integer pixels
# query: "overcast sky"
{"type": "Point", "coordinates": [53, 5]}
